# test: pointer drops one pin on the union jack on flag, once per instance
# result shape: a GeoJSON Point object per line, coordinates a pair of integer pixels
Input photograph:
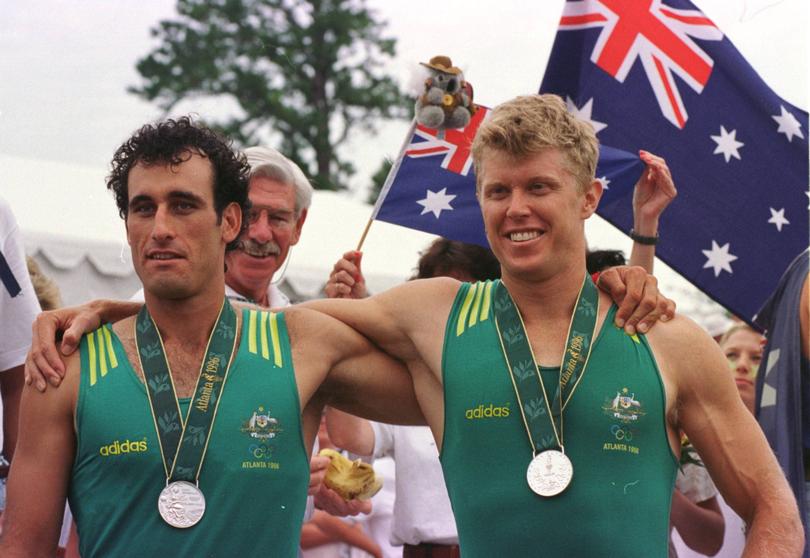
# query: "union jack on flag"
{"type": "Point", "coordinates": [657, 35]}
{"type": "Point", "coordinates": [659, 75]}
{"type": "Point", "coordinates": [453, 144]}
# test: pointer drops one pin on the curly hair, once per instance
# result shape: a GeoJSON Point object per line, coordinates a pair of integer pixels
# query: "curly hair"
{"type": "Point", "coordinates": [171, 142]}
{"type": "Point", "coordinates": [445, 256]}
{"type": "Point", "coordinates": [526, 125]}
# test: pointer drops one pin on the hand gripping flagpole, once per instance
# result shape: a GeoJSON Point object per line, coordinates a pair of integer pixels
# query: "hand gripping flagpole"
{"type": "Point", "coordinates": [387, 184]}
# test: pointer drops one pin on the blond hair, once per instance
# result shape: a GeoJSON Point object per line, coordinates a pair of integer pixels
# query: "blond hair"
{"type": "Point", "coordinates": [529, 124]}
{"type": "Point", "coordinates": [739, 326]}
{"type": "Point", "coordinates": [45, 288]}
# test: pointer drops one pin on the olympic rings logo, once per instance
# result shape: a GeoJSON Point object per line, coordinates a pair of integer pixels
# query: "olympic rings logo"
{"type": "Point", "coordinates": [621, 433]}
{"type": "Point", "coordinates": [261, 451]}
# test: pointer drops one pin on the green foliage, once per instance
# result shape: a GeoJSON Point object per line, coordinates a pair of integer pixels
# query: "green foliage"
{"type": "Point", "coordinates": [378, 180]}
{"type": "Point", "coordinates": [307, 71]}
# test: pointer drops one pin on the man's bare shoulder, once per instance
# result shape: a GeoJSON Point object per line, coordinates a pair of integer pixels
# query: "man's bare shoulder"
{"type": "Point", "coordinates": [56, 401]}
{"type": "Point", "coordinates": [436, 289]}
{"type": "Point", "coordinates": [686, 354]}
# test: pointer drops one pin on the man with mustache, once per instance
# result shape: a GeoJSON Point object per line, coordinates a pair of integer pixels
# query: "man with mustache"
{"type": "Point", "coordinates": [280, 195]}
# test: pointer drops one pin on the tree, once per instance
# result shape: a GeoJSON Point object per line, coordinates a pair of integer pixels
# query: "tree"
{"type": "Point", "coordinates": [305, 71]}
{"type": "Point", "coordinates": [378, 180]}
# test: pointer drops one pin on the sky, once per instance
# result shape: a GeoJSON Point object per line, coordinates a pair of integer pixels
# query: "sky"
{"type": "Point", "coordinates": [64, 108]}
{"type": "Point", "coordinates": [67, 64]}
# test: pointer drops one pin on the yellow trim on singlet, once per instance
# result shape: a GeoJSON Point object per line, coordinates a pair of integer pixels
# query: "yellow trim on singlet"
{"type": "Point", "coordinates": [476, 306]}
{"type": "Point", "coordinates": [486, 301]}
{"type": "Point", "coordinates": [263, 331]}
{"type": "Point", "coordinates": [110, 351]}
{"type": "Point", "coordinates": [91, 357]}
{"type": "Point", "coordinates": [277, 360]}
{"type": "Point", "coordinates": [465, 307]}
{"type": "Point", "coordinates": [102, 360]}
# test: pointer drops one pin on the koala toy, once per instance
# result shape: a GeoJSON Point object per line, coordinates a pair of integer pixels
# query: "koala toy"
{"type": "Point", "coordinates": [447, 99]}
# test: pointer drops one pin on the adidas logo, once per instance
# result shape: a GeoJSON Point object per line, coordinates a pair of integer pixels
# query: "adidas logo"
{"type": "Point", "coordinates": [490, 411]}
{"type": "Point", "coordinates": [127, 446]}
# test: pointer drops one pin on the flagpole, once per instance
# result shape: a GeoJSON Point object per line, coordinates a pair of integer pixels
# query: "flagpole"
{"type": "Point", "coordinates": [387, 184]}
{"type": "Point", "coordinates": [365, 233]}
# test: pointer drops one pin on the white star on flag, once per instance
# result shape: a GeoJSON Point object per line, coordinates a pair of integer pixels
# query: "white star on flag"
{"type": "Point", "coordinates": [788, 124]}
{"type": "Point", "coordinates": [604, 180]}
{"type": "Point", "coordinates": [727, 144]}
{"type": "Point", "coordinates": [436, 202]}
{"type": "Point", "coordinates": [718, 258]}
{"type": "Point", "coordinates": [778, 218]}
{"type": "Point", "coordinates": [584, 114]}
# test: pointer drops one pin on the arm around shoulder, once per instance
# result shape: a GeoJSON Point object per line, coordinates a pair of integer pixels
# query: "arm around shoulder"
{"type": "Point", "coordinates": [40, 472]}
{"type": "Point", "coordinates": [349, 371]}
{"type": "Point", "coordinates": [394, 318]}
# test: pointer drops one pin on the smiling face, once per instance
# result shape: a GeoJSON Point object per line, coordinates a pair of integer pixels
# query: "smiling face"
{"type": "Point", "coordinates": [534, 213]}
{"type": "Point", "coordinates": [272, 229]}
{"type": "Point", "coordinates": [743, 350]}
{"type": "Point", "coordinates": [177, 240]}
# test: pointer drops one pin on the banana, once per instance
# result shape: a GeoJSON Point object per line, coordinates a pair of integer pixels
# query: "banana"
{"type": "Point", "coordinates": [351, 479]}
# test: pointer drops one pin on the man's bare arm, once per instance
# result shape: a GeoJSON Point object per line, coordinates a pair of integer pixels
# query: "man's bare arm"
{"type": "Point", "coordinates": [700, 524]}
{"type": "Point", "coordinates": [44, 361]}
{"type": "Point", "coordinates": [728, 438]}
{"type": "Point", "coordinates": [336, 365]}
{"type": "Point", "coordinates": [369, 383]}
{"type": "Point", "coordinates": [653, 192]}
{"type": "Point", "coordinates": [11, 386]}
{"type": "Point", "coordinates": [38, 481]}
{"type": "Point", "coordinates": [349, 432]}
{"type": "Point", "coordinates": [396, 319]}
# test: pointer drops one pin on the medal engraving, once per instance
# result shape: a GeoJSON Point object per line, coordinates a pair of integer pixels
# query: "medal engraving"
{"type": "Point", "coordinates": [549, 473]}
{"type": "Point", "coordinates": [181, 504]}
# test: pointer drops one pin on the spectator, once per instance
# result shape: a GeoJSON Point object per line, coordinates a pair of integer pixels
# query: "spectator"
{"type": "Point", "coordinates": [18, 308]}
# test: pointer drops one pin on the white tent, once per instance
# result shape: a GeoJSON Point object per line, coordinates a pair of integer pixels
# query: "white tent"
{"type": "Point", "coordinates": [71, 226]}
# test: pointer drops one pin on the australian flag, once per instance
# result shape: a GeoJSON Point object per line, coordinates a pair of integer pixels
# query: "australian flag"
{"type": "Point", "coordinates": [431, 186]}
{"type": "Point", "coordinates": [661, 76]}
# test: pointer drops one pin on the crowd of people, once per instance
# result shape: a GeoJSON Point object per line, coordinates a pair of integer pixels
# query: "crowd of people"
{"type": "Point", "coordinates": [528, 410]}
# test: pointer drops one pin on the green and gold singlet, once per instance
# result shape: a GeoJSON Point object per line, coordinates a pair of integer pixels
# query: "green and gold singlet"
{"type": "Point", "coordinates": [254, 477]}
{"type": "Point", "coordinates": [614, 432]}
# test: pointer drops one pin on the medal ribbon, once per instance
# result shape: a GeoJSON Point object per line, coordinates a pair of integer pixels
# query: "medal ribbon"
{"type": "Point", "coordinates": [183, 443]}
{"type": "Point", "coordinates": [540, 412]}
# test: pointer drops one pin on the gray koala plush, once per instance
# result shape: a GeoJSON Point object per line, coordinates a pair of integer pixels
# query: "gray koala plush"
{"type": "Point", "coordinates": [447, 99]}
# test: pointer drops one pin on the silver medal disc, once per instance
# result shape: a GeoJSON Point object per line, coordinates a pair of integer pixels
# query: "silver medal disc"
{"type": "Point", "coordinates": [181, 504]}
{"type": "Point", "coordinates": [549, 473]}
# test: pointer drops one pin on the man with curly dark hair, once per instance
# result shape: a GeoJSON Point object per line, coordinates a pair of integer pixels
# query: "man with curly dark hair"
{"type": "Point", "coordinates": [143, 435]}
{"type": "Point", "coordinates": [174, 142]}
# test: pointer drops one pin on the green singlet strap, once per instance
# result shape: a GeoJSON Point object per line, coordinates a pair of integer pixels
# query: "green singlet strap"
{"type": "Point", "coordinates": [539, 405]}
{"type": "Point", "coordinates": [183, 443]}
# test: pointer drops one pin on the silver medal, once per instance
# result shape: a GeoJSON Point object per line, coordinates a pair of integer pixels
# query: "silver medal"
{"type": "Point", "coordinates": [549, 473]}
{"type": "Point", "coordinates": [181, 504]}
